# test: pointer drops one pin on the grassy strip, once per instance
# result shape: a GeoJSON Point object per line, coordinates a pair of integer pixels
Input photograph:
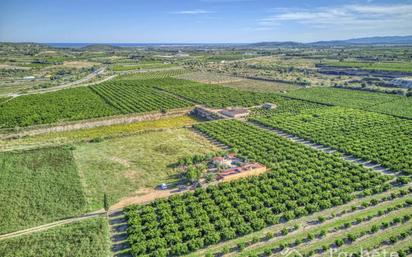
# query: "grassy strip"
{"type": "Point", "coordinates": [96, 134]}
{"type": "Point", "coordinates": [85, 238]}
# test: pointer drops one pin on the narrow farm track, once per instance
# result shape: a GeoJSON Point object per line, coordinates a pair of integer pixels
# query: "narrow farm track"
{"type": "Point", "coordinates": [51, 225]}
{"type": "Point", "coordinates": [326, 149]}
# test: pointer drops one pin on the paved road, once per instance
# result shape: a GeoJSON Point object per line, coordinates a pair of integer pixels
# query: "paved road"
{"type": "Point", "coordinates": [80, 82]}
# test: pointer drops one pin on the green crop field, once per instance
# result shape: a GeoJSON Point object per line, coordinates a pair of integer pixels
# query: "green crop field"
{"type": "Point", "coordinates": [309, 229]}
{"type": "Point", "coordinates": [63, 105]}
{"type": "Point", "coordinates": [105, 149]}
{"type": "Point", "coordinates": [212, 95]}
{"type": "Point", "coordinates": [80, 239]}
{"type": "Point", "coordinates": [401, 106]}
{"type": "Point", "coordinates": [37, 187]}
{"type": "Point", "coordinates": [133, 96]}
{"type": "Point", "coordinates": [142, 66]}
{"type": "Point", "coordinates": [378, 66]}
{"type": "Point", "coordinates": [379, 102]}
{"type": "Point", "coordinates": [371, 136]}
{"type": "Point", "coordinates": [303, 181]}
{"type": "Point", "coordinates": [152, 74]}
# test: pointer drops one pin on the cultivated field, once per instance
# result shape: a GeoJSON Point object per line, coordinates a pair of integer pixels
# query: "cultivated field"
{"type": "Point", "coordinates": [379, 102]}
{"type": "Point", "coordinates": [83, 238]}
{"type": "Point", "coordinates": [37, 187]}
{"type": "Point", "coordinates": [371, 136]}
{"type": "Point", "coordinates": [337, 162]}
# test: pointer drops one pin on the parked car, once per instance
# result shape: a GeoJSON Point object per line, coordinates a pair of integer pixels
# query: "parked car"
{"type": "Point", "coordinates": [163, 186]}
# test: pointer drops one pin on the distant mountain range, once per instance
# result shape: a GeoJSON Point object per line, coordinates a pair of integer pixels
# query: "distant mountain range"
{"type": "Point", "coordinates": [389, 40]}
{"type": "Point", "coordinates": [392, 40]}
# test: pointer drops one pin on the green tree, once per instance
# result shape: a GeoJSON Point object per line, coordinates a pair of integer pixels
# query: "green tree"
{"type": "Point", "coordinates": [106, 204]}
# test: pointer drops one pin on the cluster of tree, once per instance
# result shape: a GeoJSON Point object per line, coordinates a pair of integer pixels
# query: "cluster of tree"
{"type": "Point", "coordinates": [68, 104]}
{"type": "Point", "coordinates": [198, 158]}
{"type": "Point", "coordinates": [306, 181]}
{"type": "Point", "coordinates": [371, 136]}
{"type": "Point", "coordinates": [130, 96]}
{"type": "Point", "coordinates": [213, 95]}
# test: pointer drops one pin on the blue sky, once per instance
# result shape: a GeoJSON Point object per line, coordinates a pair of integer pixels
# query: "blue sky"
{"type": "Point", "coordinates": [171, 21]}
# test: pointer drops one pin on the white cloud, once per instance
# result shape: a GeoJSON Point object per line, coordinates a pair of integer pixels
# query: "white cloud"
{"type": "Point", "coordinates": [346, 17]}
{"type": "Point", "coordinates": [192, 12]}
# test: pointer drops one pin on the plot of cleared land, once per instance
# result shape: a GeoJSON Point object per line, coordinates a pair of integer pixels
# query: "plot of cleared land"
{"type": "Point", "coordinates": [122, 166]}
{"type": "Point", "coordinates": [79, 64]}
{"type": "Point", "coordinates": [261, 86]}
{"type": "Point", "coordinates": [127, 67]}
{"type": "Point", "coordinates": [209, 77]}
{"type": "Point", "coordinates": [37, 187]}
{"type": "Point", "coordinates": [84, 238]}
